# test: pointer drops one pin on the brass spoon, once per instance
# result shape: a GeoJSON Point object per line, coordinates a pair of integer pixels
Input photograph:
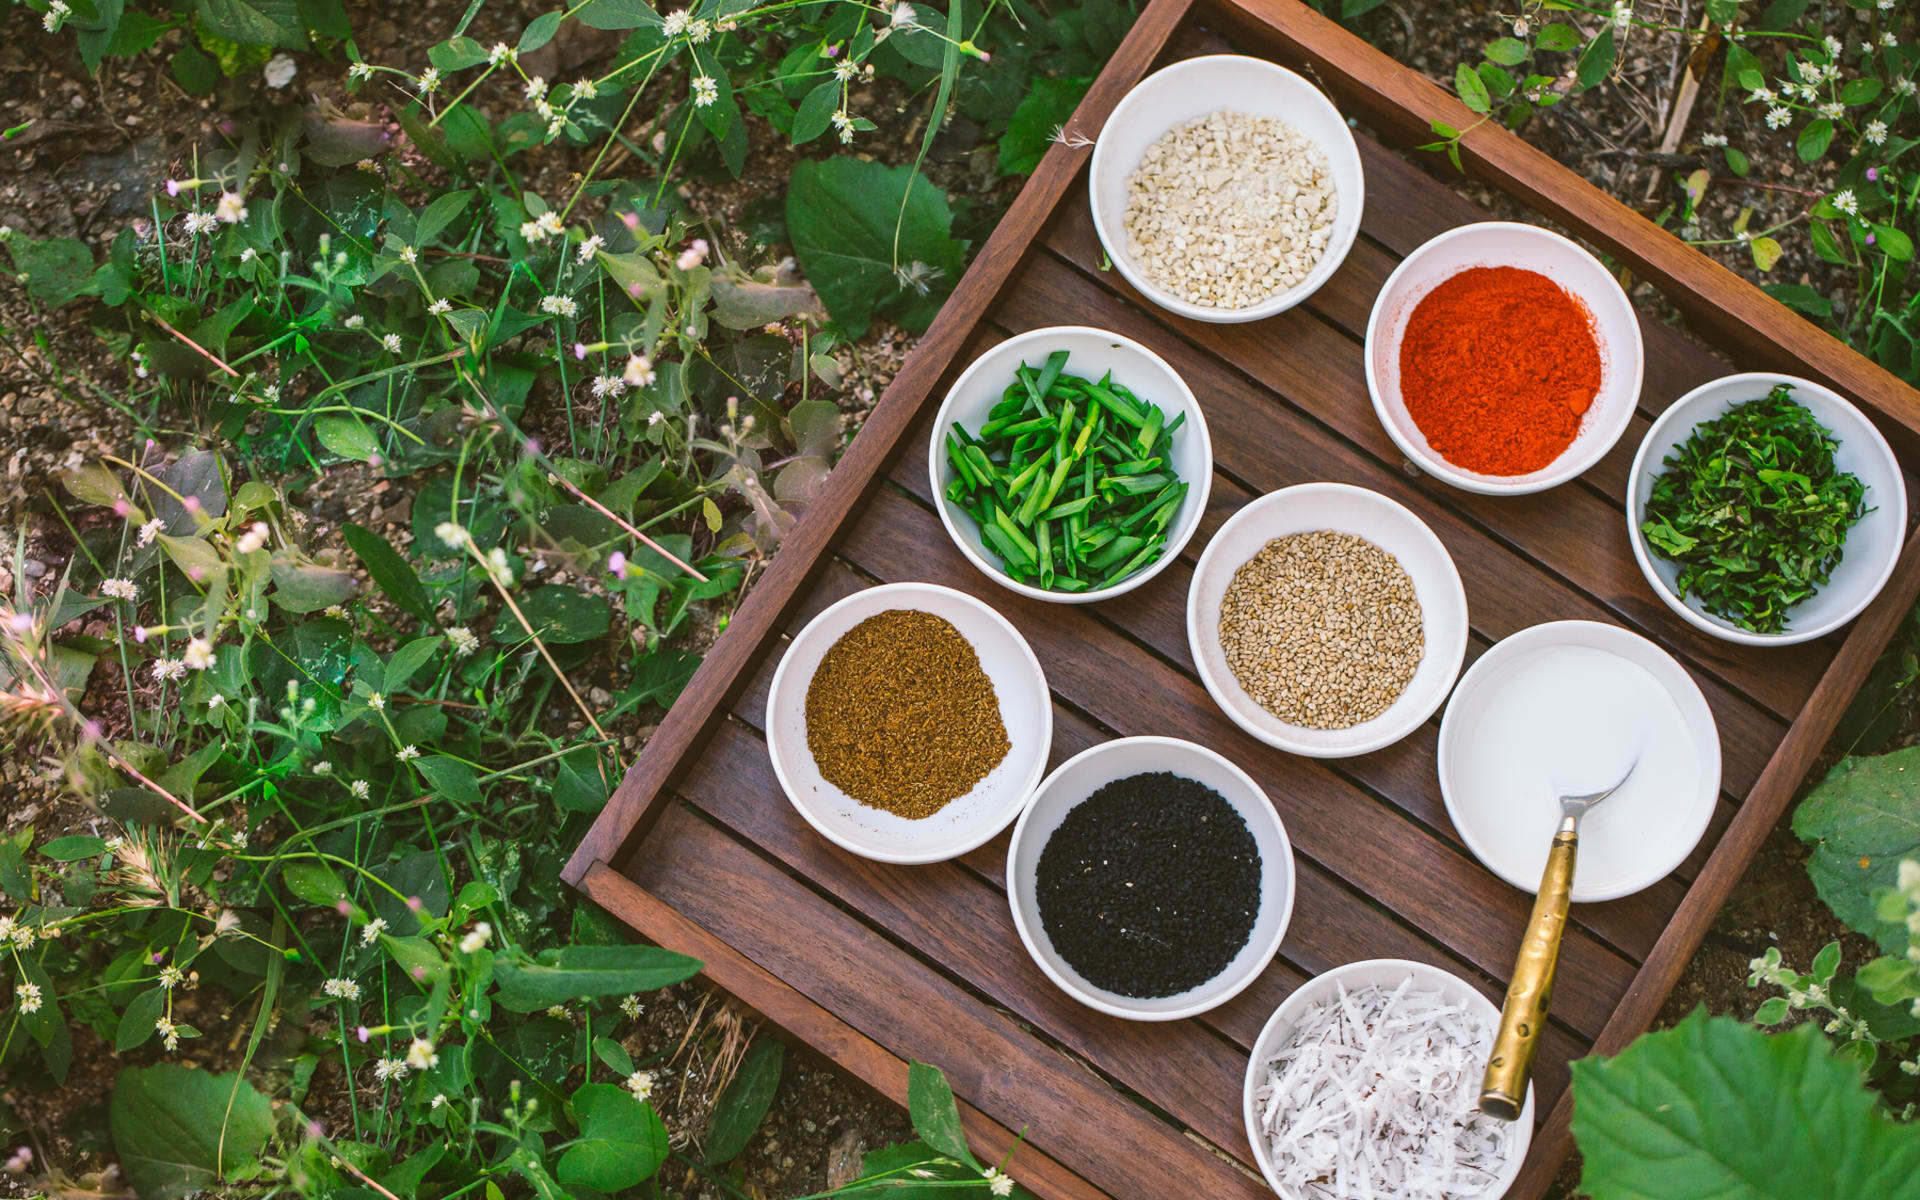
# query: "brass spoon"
{"type": "Point", "coordinates": [1503, 1089]}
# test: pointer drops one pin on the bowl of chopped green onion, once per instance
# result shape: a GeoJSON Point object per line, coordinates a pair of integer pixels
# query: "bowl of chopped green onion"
{"type": "Point", "coordinates": [1070, 464]}
{"type": "Point", "coordinates": [1765, 509]}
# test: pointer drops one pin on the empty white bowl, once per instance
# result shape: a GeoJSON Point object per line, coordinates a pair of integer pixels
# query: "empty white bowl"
{"type": "Point", "coordinates": [1522, 729]}
{"type": "Point", "coordinates": [1389, 525]}
{"type": "Point", "coordinates": [1507, 244]}
{"type": "Point", "coordinates": [1026, 709]}
{"type": "Point", "coordinates": [1872, 547]}
{"type": "Point", "coordinates": [1198, 87]}
{"type": "Point", "coordinates": [1094, 352]}
{"type": "Point", "coordinates": [1088, 771]}
{"type": "Point", "coordinates": [1389, 973]}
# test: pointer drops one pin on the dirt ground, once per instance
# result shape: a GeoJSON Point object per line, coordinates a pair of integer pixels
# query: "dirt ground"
{"type": "Point", "coordinates": [98, 146]}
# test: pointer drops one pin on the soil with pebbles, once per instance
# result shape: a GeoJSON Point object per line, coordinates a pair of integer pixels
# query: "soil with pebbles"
{"type": "Point", "coordinates": [96, 147]}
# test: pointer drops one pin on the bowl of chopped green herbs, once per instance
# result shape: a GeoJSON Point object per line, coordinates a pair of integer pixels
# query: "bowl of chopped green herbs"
{"type": "Point", "coordinates": [1766, 509]}
{"type": "Point", "coordinates": [1070, 464]}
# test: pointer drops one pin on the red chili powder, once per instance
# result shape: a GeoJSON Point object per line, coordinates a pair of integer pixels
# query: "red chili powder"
{"type": "Point", "coordinates": [1497, 368]}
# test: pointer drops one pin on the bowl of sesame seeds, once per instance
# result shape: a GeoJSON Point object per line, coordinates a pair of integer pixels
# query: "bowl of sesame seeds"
{"type": "Point", "coordinates": [1231, 213]}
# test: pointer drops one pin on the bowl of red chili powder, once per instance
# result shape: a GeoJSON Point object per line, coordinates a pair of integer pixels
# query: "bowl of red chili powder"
{"type": "Point", "coordinates": [1503, 358]}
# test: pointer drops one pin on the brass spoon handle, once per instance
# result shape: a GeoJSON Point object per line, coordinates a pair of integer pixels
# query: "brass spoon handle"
{"type": "Point", "coordinates": [1503, 1089]}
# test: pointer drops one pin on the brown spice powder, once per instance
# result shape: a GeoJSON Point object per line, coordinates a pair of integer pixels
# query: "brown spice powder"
{"type": "Point", "coordinates": [901, 717]}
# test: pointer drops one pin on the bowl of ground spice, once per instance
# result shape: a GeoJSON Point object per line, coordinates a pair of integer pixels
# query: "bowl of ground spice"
{"type": "Point", "coordinates": [1150, 878]}
{"type": "Point", "coordinates": [1327, 620]}
{"type": "Point", "coordinates": [1503, 358]}
{"type": "Point", "coordinates": [1226, 188]}
{"type": "Point", "coordinates": [909, 722]}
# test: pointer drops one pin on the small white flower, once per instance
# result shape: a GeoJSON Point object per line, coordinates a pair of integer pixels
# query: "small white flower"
{"type": "Point", "coordinates": [1888, 40]}
{"type": "Point", "coordinates": [500, 53]}
{"type": "Point", "coordinates": [171, 977]}
{"type": "Point", "coordinates": [421, 1055]}
{"type": "Point", "coordinates": [1903, 87]}
{"type": "Point", "coordinates": [1846, 202]}
{"type": "Point", "coordinates": [198, 655]}
{"type": "Point", "coordinates": [676, 23]}
{"type": "Point", "coordinates": [391, 342]}
{"type": "Point", "coordinates": [50, 21]}
{"type": "Point", "coordinates": [476, 938]}
{"type": "Point", "coordinates": [440, 307]}
{"type": "Point", "coordinates": [254, 538]}
{"type": "Point", "coordinates": [388, 1069]}
{"type": "Point", "coordinates": [429, 81]}
{"type": "Point", "coordinates": [360, 70]}
{"type": "Point", "coordinates": [1778, 115]}
{"type": "Point", "coordinates": [279, 71]}
{"type": "Point", "coordinates": [630, 1006]}
{"type": "Point", "coordinates": [560, 306]}
{"type": "Point", "coordinates": [699, 30]}
{"type": "Point", "coordinates": [640, 1083]}
{"type": "Point", "coordinates": [844, 71]}
{"type": "Point", "coordinates": [604, 386]}
{"type": "Point", "coordinates": [1622, 14]}
{"type": "Point", "coordinates": [355, 321]}
{"type": "Point", "coordinates": [377, 702]}
{"type": "Point", "coordinates": [1833, 110]}
{"type": "Point", "coordinates": [589, 248]}
{"type": "Point", "coordinates": [371, 931]}
{"type": "Point", "coordinates": [323, 768]}
{"type": "Point", "coordinates": [639, 372]}
{"type": "Point", "coordinates": [499, 567]}
{"type": "Point", "coordinates": [270, 394]}
{"type": "Point", "coordinates": [843, 123]}
{"type": "Point", "coordinates": [341, 989]}
{"type": "Point", "coordinates": [215, 702]}
{"type": "Point", "coordinates": [557, 1011]}
{"type": "Point", "coordinates": [149, 531]}
{"type": "Point", "coordinates": [1832, 44]}
{"type": "Point", "coordinates": [408, 753]}
{"type": "Point", "coordinates": [536, 88]}
{"type": "Point", "coordinates": [464, 640]}
{"type": "Point", "coordinates": [655, 417]}
{"type": "Point", "coordinates": [27, 995]}
{"type": "Point", "coordinates": [1761, 95]}
{"type": "Point", "coordinates": [439, 1099]}
{"type": "Point", "coordinates": [998, 1182]}
{"type": "Point", "coordinates": [231, 208]}
{"type": "Point", "coordinates": [169, 1033]}
{"type": "Point", "coordinates": [1875, 132]}
{"type": "Point", "coordinates": [1713, 140]}
{"type": "Point", "coordinates": [903, 16]}
{"type": "Point", "coordinates": [201, 222]}
{"type": "Point", "coordinates": [169, 669]}
{"type": "Point", "coordinates": [705, 91]}
{"type": "Point", "coordinates": [119, 589]}
{"type": "Point", "coordinates": [360, 788]}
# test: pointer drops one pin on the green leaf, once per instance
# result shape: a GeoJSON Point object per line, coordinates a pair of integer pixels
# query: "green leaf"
{"type": "Point", "coordinates": [1772, 1012]}
{"type": "Point", "coordinates": [567, 974]}
{"type": "Point", "coordinates": [578, 787]}
{"type": "Point", "coordinates": [936, 1118]}
{"type": "Point", "coordinates": [254, 22]}
{"type": "Point", "coordinates": [436, 216]}
{"type": "Point", "coordinates": [1814, 140]}
{"type": "Point", "coordinates": [815, 113]}
{"type": "Point", "coordinates": [1737, 162]}
{"type": "Point", "coordinates": [743, 1105]}
{"type": "Point", "coordinates": [841, 217]}
{"type": "Point", "coordinates": [1716, 1109]}
{"type": "Point", "coordinates": [1048, 105]}
{"type": "Point", "coordinates": [617, 14]}
{"type": "Point", "coordinates": [1864, 89]}
{"type": "Point", "coordinates": [57, 269]}
{"type": "Point", "coordinates": [178, 1130]}
{"type": "Point", "coordinates": [1557, 37]}
{"type": "Point", "coordinates": [416, 957]}
{"type": "Point", "coordinates": [77, 846]}
{"type": "Point", "coordinates": [1862, 819]}
{"type": "Point", "coordinates": [1766, 252]}
{"type": "Point", "coordinates": [1472, 89]}
{"type": "Point", "coordinates": [313, 882]}
{"type": "Point", "coordinates": [137, 1024]}
{"type": "Point", "coordinates": [1596, 61]}
{"type": "Point", "coordinates": [1508, 52]}
{"type": "Point", "coordinates": [540, 31]}
{"type": "Point", "coordinates": [194, 70]}
{"type": "Point", "coordinates": [1893, 243]}
{"type": "Point", "coordinates": [409, 659]}
{"type": "Point", "coordinates": [346, 436]}
{"type": "Point", "coordinates": [622, 1142]}
{"type": "Point", "coordinates": [393, 574]}
{"type": "Point", "coordinates": [453, 779]}
{"type": "Point", "coordinates": [456, 54]}
{"type": "Point", "coordinates": [614, 1055]}
{"type": "Point", "coordinates": [559, 614]}
{"type": "Point", "coordinates": [304, 587]}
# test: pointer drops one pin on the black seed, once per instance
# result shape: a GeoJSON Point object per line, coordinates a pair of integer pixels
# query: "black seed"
{"type": "Point", "coordinates": [1150, 886]}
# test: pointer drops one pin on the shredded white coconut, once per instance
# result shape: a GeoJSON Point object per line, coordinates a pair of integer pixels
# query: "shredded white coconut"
{"type": "Point", "coordinates": [1376, 1095]}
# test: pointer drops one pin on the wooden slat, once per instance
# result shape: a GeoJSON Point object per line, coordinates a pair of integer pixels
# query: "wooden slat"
{"type": "Point", "coordinates": [627, 815]}
{"type": "Point", "coordinates": [1731, 311]}
{"type": "Point", "coordinates": [897, 1001]}
{"type": "Point", "coordinates": [852, 1050]}
{"type": "Point", "coordinates": [1757, 817]}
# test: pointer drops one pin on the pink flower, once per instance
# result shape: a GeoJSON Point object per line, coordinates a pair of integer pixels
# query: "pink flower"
{"type": "Point", "coordinates": [140, 633]}
{"type": "Point", "coordinates": [413, 904]}
{"type": "Point", "coordinates": [363, 1033]}
{"type": "Point", "coordinates": [342, 907]}
{"type": "Point", "coordinates": [121, 508]}
{"type": "Point", "coordinates": [617, 563]}
{"type": "Point", "coordinates": [579, 349]}
{"type": "Point", "coordinates": [693, 255]}
{"type": "Point", "coordinates": [631, 220]}
{"type": "Point", "coordinates": [173, 187]}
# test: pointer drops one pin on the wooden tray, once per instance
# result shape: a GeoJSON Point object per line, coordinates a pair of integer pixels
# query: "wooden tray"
{"type": "Point", "coordinates": [874, 965]}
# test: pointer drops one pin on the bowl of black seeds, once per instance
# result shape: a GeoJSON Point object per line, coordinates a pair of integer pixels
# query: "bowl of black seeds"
{"type": "Point", "coordinates": [1150, 878]}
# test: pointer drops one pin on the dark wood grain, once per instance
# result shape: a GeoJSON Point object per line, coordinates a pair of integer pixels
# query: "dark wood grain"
{"type": "Point", "coordinates": [854, 1051]}
{"type": "Point", "coordinates": [731, 659]}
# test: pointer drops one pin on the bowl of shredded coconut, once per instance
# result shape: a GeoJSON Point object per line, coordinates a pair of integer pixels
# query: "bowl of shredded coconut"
{"type": "Point", "coordinates": [1366, 1083]}
{"type": "Point", "coordinates": [1226, 188]}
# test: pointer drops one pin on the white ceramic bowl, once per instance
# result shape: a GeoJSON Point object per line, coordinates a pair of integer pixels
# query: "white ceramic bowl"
{"type": "Point", "coordinates": [1499, 793]}
{"type": "Point", "coordinates": [1026, 709]}
{"type": "Point", "coordinates": [1389, 525]}
{"type": "Point", "coordinates": [1506, 244]}
{"type": "Point", "coordinates": [1094, 353]}
{"type": "Point", "coordinates": [1872, 546]}
{"type": "Point", "coordinates": [1088, 771]}
{"type": "Point", "coordinates": [1197, 87]}
{"type": "Point", "coordinates": [1388, 972]}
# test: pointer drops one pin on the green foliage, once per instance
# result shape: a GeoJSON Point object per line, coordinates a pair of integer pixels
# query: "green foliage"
{"type": "Point", "coordinates": [1861, 821]}
{"type": "Point", "coordinates": [1031, 128]}
{"type": "Point", "coordinates": [1715, 1109]}
{"type": "Point", "coordinates": [873, 239]}
{"type": "Point", "coordinates": [744, 1103]}
{"type": "Point", "coordinates": [621, 1142]}
{"type": "Point", "coordinates": [586, 972]}
{"type": "Point", "coordinates": [179, 1130]}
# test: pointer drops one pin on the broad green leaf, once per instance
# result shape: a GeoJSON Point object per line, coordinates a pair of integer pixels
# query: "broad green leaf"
{"type": "Point", "coordinates": [540, 31]}
{"type": "Point", "coordinates": [617, 14]}
{"type": "Point", "coordinates": [94, 483]}
{"type": "Point", "coordinates": [622, 1142]}
{"type": "Point", "coordinates": [77, 846]}
{"type": "Point", "coordinates": [936, 1118]}
{"type": "Point", "coordinates": [743, 1105]}
{"type": "Point", "coordinates": [194, 70]}
{"type": "Point", "coordinates": [559, 614]}
{"type": "Point", "coordinates": [1714, 1109]}
{"type": "Point", "coordinates": [1472, 89]}
{"type": "Point", "coordinates": [57, 269]}
{"type": "Point", "coordinates": [1814, 140]}
{"type": "Point", "coordinates": [314, 882]}
{"type": "Point", "coordinates": [815, 113]}
{"type": "Point", "coordinates": [346, 436]}
{"type": "Point", "coordinates": [1766, 252]}
{"type": "Point", "coordinates": [567, 974]}
{"type": "Point", "coordinates": [417, 958]}
{"type": "Point", "coordinates": [254, 22]}
{"type": "Point", "coordinates": [392, 573]}
{"type": "Point", "coordinates": [1506, 51]}
{"type": "Point", "coordinates": [1048, 105]}
{"type": "Point", "coordinates": [1862, 819]}
{"type": "Point", "coordinates": [137, 1023]}
{"type": "Point", "coordinates": [577, 786]}
{"type": "Point", "coordinates": [841, 216]}
{"type": "Point", "coordinates": [1596, 61]}
{"type": "Point", "coordinates": [178, 1130]}
{"type": "Point", "coordinates": [1864, 89]}
{"type": "Point", "coordinates": [409, 659]}
{"type": "Point", "coordinates": [1557, 37]}
{"type": "Point", "coordinates": [304, 587]}
{"type": "Point", "coordinates": [1893, 243]}
{"type": "Point", "coordinates": [456, 54]}
{"type": "Point", "coordinates": [453, 779]}
{"type": "Point", "coordinates": [436, 216]}
{"type": "Point", "coordinates": [196, 559]}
